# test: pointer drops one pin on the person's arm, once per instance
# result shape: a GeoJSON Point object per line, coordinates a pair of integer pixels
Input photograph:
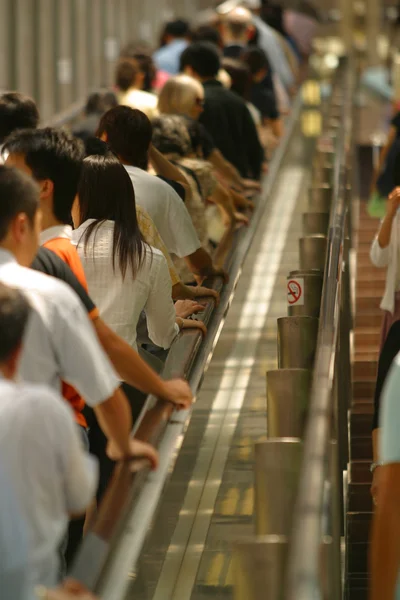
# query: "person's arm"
{"type": "Point", "coordinates": [201, 265]}
{"type": "Point", "coordinates": [225, 168]}
{"type": "Point", "coordinates": [385, 539]}
{"type": "Point", "coordinates": [390, 350]}
{"type": "Point", "coordinates": [276, 126]}
{"type": "Point", "coordinates": [382, 156]}
{"type": "Point", "coordinates": [385, 543]}
{"type": "Point", "coordinates": [162, 166]}
{"type": "Point", "coordinates": [137, 373]}
{"type": "Point", "coordinates": [385, 231]}
{"type": "Point", "coordinates": [222, 198]}
{"type": "Point", "coordinates": [379, 252]}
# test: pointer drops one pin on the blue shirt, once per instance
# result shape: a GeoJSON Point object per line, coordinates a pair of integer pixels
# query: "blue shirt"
{"type": "Point", "coordinates": [389, 439]}
{"type": "Point", "coordinates": [276, 56]}
{"type": "Point", "coordinates": [15, 580]}
{"type": "Point", "coordinates": [168, 57]}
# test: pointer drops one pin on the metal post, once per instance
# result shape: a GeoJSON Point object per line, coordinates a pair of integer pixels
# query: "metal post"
{"type": "Point", "coordinates": [320, 198]}
{"type": "Point", "coordinates": [373, 27]}
{"type": "Point", "coordinates": [259, 567]}
{"type": "Point", "coordinates": [277, 468]}
{"type": "Point", "coordinates": [346, 24]}
{"type": "Point", "coordinates": [297, 341]}
{"type": "Point", "coordinates": [288, 395]}
{"type": "Point", "coordinates": [336, 520]}
{"type": "Point", "coordinates": [304, 293]}
{"type": "Point", "coordinates": [313, 252]}
{"type": "Point", "coordinates": [315, 223]}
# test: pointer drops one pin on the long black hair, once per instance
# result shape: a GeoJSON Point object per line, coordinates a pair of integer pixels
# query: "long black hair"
{"type": "Point", "coordinates": [106, 194]}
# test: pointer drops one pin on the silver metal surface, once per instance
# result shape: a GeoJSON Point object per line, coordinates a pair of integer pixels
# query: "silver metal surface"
{"type": "Point", "coordinates": [259, 565]}
{"type": "Point", "coordinates": [313, 252]}
{"type": "Point", "coordinates": [277, 464]}
{"type": "Point", "coordinates": [297, 341]}
{"type": "Point", "coordinates": [315, 223]}
{"type": "Point", "coordinates": [311, 292]}
{"type": "Point", "coordinates": [288, 396]}
{"type": "Point", "coordinates": [320, 198]}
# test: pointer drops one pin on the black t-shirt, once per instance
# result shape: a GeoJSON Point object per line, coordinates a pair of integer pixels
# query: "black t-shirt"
{"type": "Point", "coordinates": [264, 99]}
{"type": "Point", "coordinates": [48, 262]}
{"type": "Point", "coordinates": [227, 118]}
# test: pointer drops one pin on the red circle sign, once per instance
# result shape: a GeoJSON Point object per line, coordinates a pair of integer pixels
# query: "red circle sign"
{"type": "Point", "coordinates": [294, 291]}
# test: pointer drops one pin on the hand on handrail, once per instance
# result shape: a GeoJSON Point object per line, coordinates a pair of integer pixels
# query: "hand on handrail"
{"type": "Point", "coordinates": [138, 450]}
{"type": "Point", "coordinates": [192, 324]}
{"type": "Point", "coordinates": [186, 308]}
{"type": "Point", "coordinates": [178, 392]}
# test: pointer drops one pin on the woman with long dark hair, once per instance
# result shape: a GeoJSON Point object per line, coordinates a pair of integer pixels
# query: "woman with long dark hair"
{"type": "Point", "coordinates": [125, 275]}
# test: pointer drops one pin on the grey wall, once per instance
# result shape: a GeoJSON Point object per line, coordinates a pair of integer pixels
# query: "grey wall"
{"type": "Point", "coordinates": [57, 50]}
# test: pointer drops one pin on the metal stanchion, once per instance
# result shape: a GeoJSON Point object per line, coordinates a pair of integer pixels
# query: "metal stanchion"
{"type": "Point", "coordinates": [304, 290]}
{"type": "Point", "coordinates": [277, 469]}
{"type": "Point", "coordinates": [320, 198]}
{"type": "Point", "coordinates": [288, 394]}
{"type": "Point", "coordinates": [315, 223]}
{"type": "Point", "coordinates": [259, 567]}
{"type": "Point", "coordinates": [297, 341]}
{"type": "Point", "coordinates": [313, 252]}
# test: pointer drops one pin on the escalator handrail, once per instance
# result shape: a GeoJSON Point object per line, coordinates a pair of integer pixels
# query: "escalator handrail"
{"type": "Point", "coordinates": [304, 559]}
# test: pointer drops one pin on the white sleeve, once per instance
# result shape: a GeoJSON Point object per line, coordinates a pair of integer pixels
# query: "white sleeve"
{"type": "Point", "coordinates": [159, 309]}
{"type": "Point", "coordinates": [81, 474]}
{"type": "Point", "coordinates": [185, 239]}
{"type": "Point", "coordinates": [79, 470]}
{"type": "Point", "coordinates": [379, 256]}
{"type": "Point", "coordinates": [83, 363]}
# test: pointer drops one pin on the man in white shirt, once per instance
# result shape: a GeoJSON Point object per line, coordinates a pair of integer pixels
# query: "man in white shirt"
{"type": "Point", "coordinates": [42, 454]}
{"type": "Point", "coordinates": [128, 132]}
{"type": "Point", "coordinates": [60, 343]}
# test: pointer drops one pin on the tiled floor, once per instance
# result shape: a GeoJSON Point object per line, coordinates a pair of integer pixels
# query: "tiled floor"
{"type": "Point", "coordinates": [208, 501]}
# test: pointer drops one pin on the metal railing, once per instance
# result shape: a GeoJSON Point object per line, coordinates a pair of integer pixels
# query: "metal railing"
{"type": "Point", "coordinates": [112, 545]}
{"type": "Point", "coordinates": [314, 559]}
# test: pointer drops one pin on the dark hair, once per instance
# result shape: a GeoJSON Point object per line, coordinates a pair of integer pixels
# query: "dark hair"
{"type": "Point", "coordinates": [18, 194]}
{"type": "Point", "coordinates": [106, 194]}
{"type": "Point", "coordinates": [94, 146]}
{"type": "Point", "coordinates": [207, 33]}
{"type": "Point", "coordinates": [142, 53]}
{"type": "Point", "coordinates": [203, 58]}
{"type": "Point", "coordinates": [256, 59]}
{"type": "Point", "coordinates": [52, 154]}
{"type": "Point", "coordinates": [129, 134]}
{"type": "Point", "coordinates": [272, 14]}
{"type": "Point", "coordinates": [16, 112]}
{"type": "Point", "coordinates": [14, 314]}
{"type": "Point", "coordinates": [240, 76]}
{"type": "Point", "coordinates": [98, 103]}
{"type": "Point", "coordinates": [126, 73]}
{"type": "Point", "coordinates": [176, 29]}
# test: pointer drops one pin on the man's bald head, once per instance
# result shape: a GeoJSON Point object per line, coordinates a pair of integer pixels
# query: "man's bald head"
{"type": "Point", "coordinates": [236, 25]}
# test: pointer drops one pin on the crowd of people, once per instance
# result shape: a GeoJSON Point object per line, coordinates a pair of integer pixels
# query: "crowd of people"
{"type": "Point", "coordinates": [107, 233]}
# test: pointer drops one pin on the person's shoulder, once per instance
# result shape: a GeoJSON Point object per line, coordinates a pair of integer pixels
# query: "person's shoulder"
{"type": "Point", "coordinates": [34, 399]}
{"type": "Point", "coordinates": [52, 290]}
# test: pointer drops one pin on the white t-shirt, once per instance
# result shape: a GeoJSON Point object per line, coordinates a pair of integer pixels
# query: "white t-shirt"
{"type": "Point", "coordinates": [167, 210]}
{"type": "Point", "coordinates": [52, 475]}
{"type": "Point", "coordinates": [60, 343]}
{"type": "Point", "coordinates": [121, 301]}
{"type": "Point", "coordinates": [144, 101]}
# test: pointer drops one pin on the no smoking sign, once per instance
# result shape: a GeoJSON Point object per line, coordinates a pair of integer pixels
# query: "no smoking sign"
{"type": "Point", "coordinates": [295, 292]}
